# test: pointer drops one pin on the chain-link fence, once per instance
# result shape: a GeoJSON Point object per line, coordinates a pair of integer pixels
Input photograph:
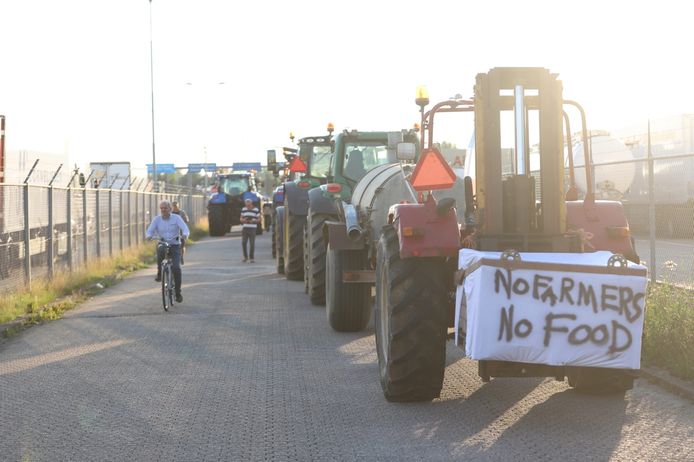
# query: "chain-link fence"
{"type": "Point", "coordinates": [44, 229]}
{"type": "Point", "coordinates": [652, 174]}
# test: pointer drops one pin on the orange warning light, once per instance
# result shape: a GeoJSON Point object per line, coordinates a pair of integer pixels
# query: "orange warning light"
{"type": "Point", "coordinates": [432, 172]}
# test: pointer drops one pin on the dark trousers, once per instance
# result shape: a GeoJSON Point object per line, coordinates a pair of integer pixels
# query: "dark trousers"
{"type": "Point", "coordinates": [248, 234]}
{"type": "Point", "coordinates": [176, 257]}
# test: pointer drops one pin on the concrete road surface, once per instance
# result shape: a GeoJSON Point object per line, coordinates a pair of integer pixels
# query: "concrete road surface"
{"type": "Point", "coordinates": [247, 370]}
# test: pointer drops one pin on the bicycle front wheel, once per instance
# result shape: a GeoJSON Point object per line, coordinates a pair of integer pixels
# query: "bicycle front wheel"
{"type": "Point", "coordinates": [166, 277]}
{"type": "Point", "coordinates": [171, 286]}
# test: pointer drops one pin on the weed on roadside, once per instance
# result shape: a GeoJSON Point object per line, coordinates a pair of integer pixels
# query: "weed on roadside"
{"type": "Point", "coordinates": [668, 340]}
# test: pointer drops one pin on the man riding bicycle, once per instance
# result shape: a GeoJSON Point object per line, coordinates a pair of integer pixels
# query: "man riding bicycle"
{"type": "Point", "coordinates": [169, 227]}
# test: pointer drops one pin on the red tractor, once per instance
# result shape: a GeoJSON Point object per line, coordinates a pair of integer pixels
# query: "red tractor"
{"type": "Point", "coordinates": [514, 215]}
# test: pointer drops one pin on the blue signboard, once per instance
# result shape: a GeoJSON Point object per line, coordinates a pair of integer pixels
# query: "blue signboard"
{"type": "Point", "coordinates": [162, 168]}
{"type": "Point", "coordinates": [246, 166]}
{"type": "Point", "coordinates": [196, 168]}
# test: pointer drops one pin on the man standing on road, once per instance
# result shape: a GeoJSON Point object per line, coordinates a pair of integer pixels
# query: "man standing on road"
{"type": "Point", "coordinates": [250, 216]}
{"type": "Point", "coordinates": [169, 227]}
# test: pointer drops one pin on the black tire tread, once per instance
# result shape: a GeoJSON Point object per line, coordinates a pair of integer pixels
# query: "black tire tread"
{"type": "Point", "coordinates": [164, 290]}
{"type": "Point", "coordinates": [294, 246]}
{"type": "Point", "coordinates": [416, 340]}
{"type": "Point", "coordinates": [306, 254]}
{"type": "Point", "coordinates": [316, 264]}
{"type": "Point", "coordinates": [215, 216]}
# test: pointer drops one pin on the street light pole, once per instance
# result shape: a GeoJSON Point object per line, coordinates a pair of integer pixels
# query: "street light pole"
{"type": "Point", "coordinates": [151, 75]}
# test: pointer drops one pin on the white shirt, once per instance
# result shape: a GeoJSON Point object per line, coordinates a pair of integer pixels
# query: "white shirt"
{"type": "Point", "coordinates": [168, 229]}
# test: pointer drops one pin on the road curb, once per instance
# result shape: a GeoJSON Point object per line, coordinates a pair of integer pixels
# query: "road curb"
{"type": "Point", "coordinates": [665, 380]}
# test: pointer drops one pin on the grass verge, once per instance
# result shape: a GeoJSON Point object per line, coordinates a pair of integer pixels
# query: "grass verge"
{"type": "Point", "coordinates": [668, 331]}
{"type": "Point", "coordinates": [49, 299]}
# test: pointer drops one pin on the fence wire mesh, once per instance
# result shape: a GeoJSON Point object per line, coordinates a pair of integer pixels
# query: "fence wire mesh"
{"type": "Point", "coordinates": [69, 227]}
{"type": "Point", "coordinates": [657, 192]}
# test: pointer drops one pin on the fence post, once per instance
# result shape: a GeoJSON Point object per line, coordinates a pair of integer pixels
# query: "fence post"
{"type": "Point", "coordinates": [120, 213]}
{"type": "Point", "coordinates": [68, 195]}
{"type": "Point", "coordinates": [120, 218]}
{"type": "Point", "coordinates": [27, 236]}
{"type": "Point", "coordinates": [137, 216]}
{"type": "Point", "coordinates": [130, 216]}
{"type": "Point", "coordinates": [27, 229]}
{"type": "Point", "coordinates": [85, 224]}
{"type": "Point", "coordinates": [145, 196]}
{"type": "Point", "coordinates": [49, 234]}
{"type": "Point", "coordinates": [110, 221]}
{"type": "Point", "coordinates": [98, 223]}
{"type": "Point", "coordinates": [651, 207]}
{"type": "Point", "coordinates": [68, 218]}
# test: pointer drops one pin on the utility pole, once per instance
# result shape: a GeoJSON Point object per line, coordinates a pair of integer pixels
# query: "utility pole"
{"type": "Point", "coordinates": [151, 75]}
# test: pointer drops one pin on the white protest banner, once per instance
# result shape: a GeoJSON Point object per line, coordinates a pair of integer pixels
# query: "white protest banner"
{"type": "Point", "coordinates": [551, 308]}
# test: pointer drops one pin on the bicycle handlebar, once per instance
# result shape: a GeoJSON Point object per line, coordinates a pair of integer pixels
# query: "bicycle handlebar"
{"type": "Point", "coordinates": [164, 241]}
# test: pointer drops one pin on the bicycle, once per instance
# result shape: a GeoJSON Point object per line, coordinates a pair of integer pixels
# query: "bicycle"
{"type": "Point", "coordinates": [168, 285]}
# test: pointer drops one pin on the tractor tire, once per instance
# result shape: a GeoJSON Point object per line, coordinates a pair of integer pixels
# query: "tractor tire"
{"type": "Point", "coordinates": [279, 239]}
{"type": "Point", "coordinates": [348, 305]}
{"type": "Point", "coordinates": [215, 219]}
{"type": "Point", "coordinates": [294, 246]}
{"type": "Point", "coordinates": [306, 254]}
{"type": "Point", "coordinates": [599, 381]}
{"type": "Point", "coordinates": [274, 242]}
{"type": "Point", "coordinates": [410, 322]}
{"type": "Point", "coordinates": [316, 258]}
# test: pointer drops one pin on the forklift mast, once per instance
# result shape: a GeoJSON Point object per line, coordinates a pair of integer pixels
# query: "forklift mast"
{"type": "Point", "coordinates": [516, 208]}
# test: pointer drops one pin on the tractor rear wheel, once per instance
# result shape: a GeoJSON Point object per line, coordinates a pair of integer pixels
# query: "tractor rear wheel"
{"type": "Point", "coordinates": [279, 238]}
{"type": "Point", "coordinates": [410, 322]}
{"type": "Point", "coordinates": [294, 246]}
{"type": "Point", "coordinates": [274, 242]}
{"type": "Point", "coordinates": [348, 305]}
{"type": "Point", "coordinates": [316, 257]}
{"type": "Point", "coordinates": [215, 220]}
{"type": "Point", "coordinates": [306, 253]}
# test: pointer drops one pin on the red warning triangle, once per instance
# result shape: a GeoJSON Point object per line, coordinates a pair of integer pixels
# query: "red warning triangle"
{"type": "Point", "coordinates": [297, 165]}
{"type": "Point", "coordinates": [432, 172]}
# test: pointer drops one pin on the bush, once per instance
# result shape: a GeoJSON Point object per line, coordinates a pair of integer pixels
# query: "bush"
{"type": "Point", "coordinates": [668, 340]}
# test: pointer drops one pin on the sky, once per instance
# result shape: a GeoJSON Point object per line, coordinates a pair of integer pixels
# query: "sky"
{"type": "Point", "coordinates": [232, 79]}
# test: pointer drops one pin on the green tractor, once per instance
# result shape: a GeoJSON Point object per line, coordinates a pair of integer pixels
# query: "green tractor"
{"type": "Point", "coordinates": [357, 157]}
{"type": "Point", "coordinates": [308, 169]}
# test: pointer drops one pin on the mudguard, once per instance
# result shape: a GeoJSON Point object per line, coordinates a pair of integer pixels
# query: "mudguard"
{"type": "Point", "coordinates": [422, 232]}
{"type": "Point", "coordinates": [603, 226]}
{"type": "Point", "coordinates": [318, 203]}
{"type": "Point", "coordinates": [295, 199]}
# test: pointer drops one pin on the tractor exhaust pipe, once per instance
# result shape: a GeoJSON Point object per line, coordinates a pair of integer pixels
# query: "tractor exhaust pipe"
{"type": "Point", "coordinates": [354, 231]}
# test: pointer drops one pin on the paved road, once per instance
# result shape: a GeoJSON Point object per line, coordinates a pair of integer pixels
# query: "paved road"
{"type": "Point", "coordinates": [246, 369]}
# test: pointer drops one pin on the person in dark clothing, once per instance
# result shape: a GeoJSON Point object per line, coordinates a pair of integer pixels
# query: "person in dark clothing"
{"type": "Point", "coordinates": [184, 216]}
{"type": "Point", "coordinates": [250, 217]}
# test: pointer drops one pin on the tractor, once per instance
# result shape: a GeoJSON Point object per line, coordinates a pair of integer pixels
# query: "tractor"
{"type": "Point", "coordinates": [307, 167]}
{"type": "Point", "coordinates": [337, 266]}
{"type": "Point", "coordinates": [523, 232]}
{"type": "Point", "coordinates": [224, 207]}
